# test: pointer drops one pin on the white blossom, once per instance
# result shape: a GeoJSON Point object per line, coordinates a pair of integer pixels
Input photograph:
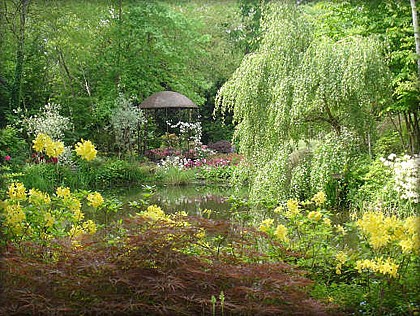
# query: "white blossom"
{"type": "Point", "coordinates": [406, 172]}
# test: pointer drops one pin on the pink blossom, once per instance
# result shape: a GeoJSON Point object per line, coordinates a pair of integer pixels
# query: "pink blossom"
{"type": "Point", "coordinates": [7, 158]}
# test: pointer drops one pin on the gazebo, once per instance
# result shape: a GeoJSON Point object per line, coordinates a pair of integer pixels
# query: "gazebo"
{"type": "Point", "coordinates": [165, 100]}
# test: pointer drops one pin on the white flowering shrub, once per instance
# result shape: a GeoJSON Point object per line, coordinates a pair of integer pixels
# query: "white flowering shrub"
{"type": "Point", "coordinates": [172, 162]}
{"type": "Point", "coordinates": [189, 132]}
{"type": "Point", "coordinates": [49, 121]}
{"type": "Point", "coordinates": [406, 174]}
{"type": "Point", "coordinates": [125, 121]}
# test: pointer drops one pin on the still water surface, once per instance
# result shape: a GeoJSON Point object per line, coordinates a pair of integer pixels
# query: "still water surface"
{"type": "Point", "coordinates": [193, 199]}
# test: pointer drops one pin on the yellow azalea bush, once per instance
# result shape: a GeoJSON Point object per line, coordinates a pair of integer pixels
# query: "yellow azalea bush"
{"type": "Point", "coordinates": [383, 231]}
{"type": "Point", "coordinates": [86, 150]}
{"type": "Point", "coordinates": [95, 199]}
{"type": "Point", "coordinates": [43, 142]}
{"type": "Point", "coordinates": [304, 227]}
{"type": "Point", "coordinates": [307, 227]}
{"type": "Point", "coordinates": [373, 250]}
{"type": "Point", "coordinates": [384, 266]}
{"type": "Point", "coordinates": [154, 214]}
{"type": "Point", "coordinates": [35, 215]}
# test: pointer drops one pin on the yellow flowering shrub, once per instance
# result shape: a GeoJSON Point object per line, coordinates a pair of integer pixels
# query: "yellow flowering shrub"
{"type": "Point", "coordinates": [39, 142]}
{"type": "Point", "coordinates": [17, 191]}
{"type": "Point", "coordinates": [314, 215]}
{"type": "Point", "coordinates": [292, 207]}
{"type": "Point", "coordinates": [95, 199]}
{"type": "Point", "coordinates": [49, 219]}
{"type": "Point", "coordinates": [38, 216]}
{"type": "Point", "coordinates": [341, 258]}
{"type": "Point", "coordinates": [265, 225]}
{"type": "Point", "coordinates": [14, 218]}
{"type": "Point", "coordinates": [86, 150]}
{"type": "Point", "coordinates": [281, 233]}
{"type": "Point", "coordinates": [384, 266]}
{"type": "Point", "coordinates": [63, 192]}
{"type": "Point", "coordinates": [43, 142]}
{"type": "Point", "coordinates": [72, 203]}
{"type": "Point", "coordinates": [155, 213]}
{"type": "Point", "coordinates": [54, 149]}
{"type": "Point", "coordinates": [319, 198]}
{"type": "Point", "coordinates": [39, 198]}
{"type": "Point", "coordinates": [381, 230]}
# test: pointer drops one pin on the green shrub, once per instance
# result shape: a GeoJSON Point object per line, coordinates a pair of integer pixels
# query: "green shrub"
{"type": "Point", "coordinates": [13, 149]}
{"type": "Point", "coordinates": [42, 176]}
{"type": "Point", "coordinates": [368, 264]}
{"type": "Point", "coordinates": [175, 175]}
{"type": "Point", "coordinates": [114, 172]}
{"type": "Point", "coordinates": [216, 174]}
{"type": "Point", "coordinates": [387, 144]}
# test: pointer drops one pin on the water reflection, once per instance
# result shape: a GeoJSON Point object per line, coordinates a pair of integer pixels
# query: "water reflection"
{"type": "Point", "coordinates": [193, 199]}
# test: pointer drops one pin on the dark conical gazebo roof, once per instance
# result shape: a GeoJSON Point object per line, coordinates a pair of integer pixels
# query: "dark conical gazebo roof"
{"type": "Point", "coordinates": [167, 99]}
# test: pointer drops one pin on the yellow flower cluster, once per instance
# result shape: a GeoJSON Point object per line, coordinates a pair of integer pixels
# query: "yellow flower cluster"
{"type": "Point", "coordinates": [327, 221]}
{"type": "Point", "coordinates": [281, 233]}
{"type": "Point", "coordinates": [63, 192]}
{"type": "Point", "coordinates": [49, 219]}
{"type": "Point", "coordinates": [17, 191]}
{"type": "Point", "coordinates": [72, 203]}
{"type": "Point", "coordinates": [86, 150]}
{"type": "Point", "coordinates": [78, 215]}
{"type": "Point", "coordinates": [341, 257]}
{"type": "Point", "coordinates": [319, 198]}
{"type": "Point", "coordinates": [292, 208]}
{"type": "Point", "coordinates": [43, 142]}
{"type": "Point", "coordinates": [14, 217]}
{"type": "Point", "coordinates": [95, 199]}
{"type": "Point", "coordinates": [39, 198]}
{"type": "Point", "coordinates": [315, 216]}
{"type": "Point", "coordinates": [266, 225]}
{"type": "Point", "coordinates": [382, 230]}
{"type": "Point", "coordinates": [88, 227]}
{"type": "Point", "coordinates": [155, 213]}
{"type": "Point", "coordinates": [383, 266]}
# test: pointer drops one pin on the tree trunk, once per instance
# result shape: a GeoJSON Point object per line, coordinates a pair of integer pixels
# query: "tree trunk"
{"type": "Point", "coordinates": [16, 88]}
{"type": "Point", "coordinates": [415, 130]}
{"type": "Point", "coordinates": [416, 32]}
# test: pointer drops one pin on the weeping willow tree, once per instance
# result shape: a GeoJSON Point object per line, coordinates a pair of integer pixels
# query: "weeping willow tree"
{"type": "Point", "coordinates": [297, 88]}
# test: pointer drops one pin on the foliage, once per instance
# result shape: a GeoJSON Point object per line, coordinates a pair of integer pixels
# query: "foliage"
{"type": "Point", "coordinates": [332, 161]}
{"type": "Point", "coordinates": [174, 174]}
{"type": "Point", "coordinates": [82, 56]}
{"type": "Point", "coordinates": [126, 121]}
{"type": "Point", "coordinates": [216, 174]}
{"type": "Point", "coordinates": [221, 146]}
{"type": "Point", "coordinates": [13, 148]}
{"type": "Point", "coordinates": [373, 252]}
{"type": "Point", "coordinates": [390, 183]}
{"type": "Point", "coordinates": [99, 174]}
{"type": "Point", "coordinates": [155, 263]}
{"type": "Point", "coordinates": [49, 121]}
{"type": "Point", "coordinates": [115, 172]}
{"type": "Point", "coordinates": [35, 215]}
{"type": "Point", "coordinates": [297, 88]}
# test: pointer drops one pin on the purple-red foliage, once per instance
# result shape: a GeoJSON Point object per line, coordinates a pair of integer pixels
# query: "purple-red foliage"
{"type": "Point", "coordinates": [161, 153]}
{"type": "Point", "coordinates": [221, 146]}
{"type": "Point", "coordinates": [148, 271]}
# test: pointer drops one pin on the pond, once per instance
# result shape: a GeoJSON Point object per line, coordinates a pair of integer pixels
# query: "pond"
{"type": "Point", "coordinates": [193, 199]}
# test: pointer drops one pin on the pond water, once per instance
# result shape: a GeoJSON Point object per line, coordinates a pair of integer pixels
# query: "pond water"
{"type": "Point", "coordinates": [193, 199]}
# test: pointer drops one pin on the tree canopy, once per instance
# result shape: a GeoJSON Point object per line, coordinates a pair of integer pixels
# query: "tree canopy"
{"type": "Point", "coordinates": [305, 83]}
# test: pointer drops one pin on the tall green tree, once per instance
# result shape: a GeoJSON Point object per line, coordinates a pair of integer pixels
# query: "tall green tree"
{"type": "Point", "coordinates": [14, 16]}
{"type": "Point", "coordinates": [299, 86]}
